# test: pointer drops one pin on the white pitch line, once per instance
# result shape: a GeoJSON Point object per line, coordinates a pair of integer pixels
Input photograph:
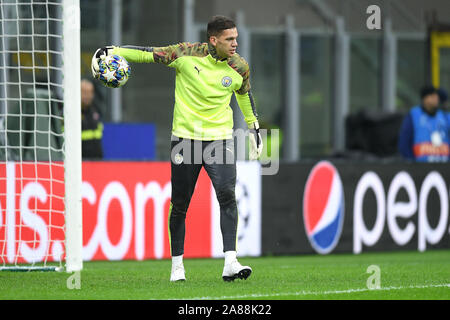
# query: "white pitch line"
{"type": "Point", "coordinates": [315, 293]}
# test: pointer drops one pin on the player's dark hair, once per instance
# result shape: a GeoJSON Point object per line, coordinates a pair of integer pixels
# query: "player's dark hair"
{"type": "Point", "coordinates": [217, 24]}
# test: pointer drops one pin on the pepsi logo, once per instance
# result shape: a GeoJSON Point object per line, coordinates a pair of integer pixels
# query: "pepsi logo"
{"type": "Point", "coordinates": [323, 207]}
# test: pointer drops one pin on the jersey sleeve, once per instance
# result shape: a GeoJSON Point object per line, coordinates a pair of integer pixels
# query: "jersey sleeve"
{"type": "Point", "coordinates": [165, 55]}
{"type": "Point", "coordinates": [243, 94]}
{"type": "Point", "coordinates": [135, 53]}
{"type": "Point", "coordinates": [244, 70]}
{"type": "Point", "coordinates": [247, 106]}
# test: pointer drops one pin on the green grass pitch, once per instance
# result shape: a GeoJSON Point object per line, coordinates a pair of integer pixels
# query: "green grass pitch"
{"type": "Point", "coordinates": [403, 275]}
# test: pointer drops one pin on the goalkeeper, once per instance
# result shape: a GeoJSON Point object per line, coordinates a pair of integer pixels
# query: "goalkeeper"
{"type": "Point", "coordinates": [207, 74]}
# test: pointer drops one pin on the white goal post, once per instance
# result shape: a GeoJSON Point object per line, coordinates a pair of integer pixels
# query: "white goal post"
{"type": "Point", "coordinates": [72, 112]}
{"type": "Point", "coordinates": [40, 136]}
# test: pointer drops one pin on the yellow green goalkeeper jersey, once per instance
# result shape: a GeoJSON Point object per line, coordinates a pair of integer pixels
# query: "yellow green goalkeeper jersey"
{"type": "Point", "coordinates": [203, 89]}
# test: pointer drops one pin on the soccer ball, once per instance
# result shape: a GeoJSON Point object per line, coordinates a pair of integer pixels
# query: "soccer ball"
{"type": "Point", "coordinates": [114, 71]}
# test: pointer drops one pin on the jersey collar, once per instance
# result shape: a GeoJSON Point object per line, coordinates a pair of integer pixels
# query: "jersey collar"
{"type": "Point", "coordinates": [213, 52]}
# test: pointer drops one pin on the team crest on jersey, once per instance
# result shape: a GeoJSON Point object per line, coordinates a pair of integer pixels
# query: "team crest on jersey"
{"type": "Point", "coordinates": [226, 81]}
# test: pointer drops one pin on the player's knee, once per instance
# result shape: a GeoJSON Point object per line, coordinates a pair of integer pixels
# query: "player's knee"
{"type": "Point", "coordinates": [178, 211]}
{"type": "Point", "coordinates": [226, 196]}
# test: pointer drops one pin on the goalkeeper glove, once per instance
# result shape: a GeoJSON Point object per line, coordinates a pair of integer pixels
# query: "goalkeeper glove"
{"type": "Point", "coordinates": [256, 144]}
{"type": "Point", "coordinates": [100, 54]}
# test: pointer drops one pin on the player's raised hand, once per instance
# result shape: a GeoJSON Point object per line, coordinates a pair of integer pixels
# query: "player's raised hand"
{"type": "Point", "coordinates": [100, 53]}
{"type": "Point", "coordinates": [256, 144]}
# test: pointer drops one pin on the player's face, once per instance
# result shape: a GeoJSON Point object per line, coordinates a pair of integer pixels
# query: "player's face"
{"type": "Point", "coordinates": [226, 42]}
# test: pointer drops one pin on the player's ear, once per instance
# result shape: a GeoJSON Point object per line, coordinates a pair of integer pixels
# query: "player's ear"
{"type": "Point", "coordinates": [213, 40]}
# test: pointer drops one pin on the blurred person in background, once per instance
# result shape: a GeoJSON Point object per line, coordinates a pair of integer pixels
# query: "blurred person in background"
{"type": "Point", "coordinates": [91, 124]}
{"type": "Point", "coordinates": [424, 134]}
{"type": "Point", "coordinates": [207, 75]}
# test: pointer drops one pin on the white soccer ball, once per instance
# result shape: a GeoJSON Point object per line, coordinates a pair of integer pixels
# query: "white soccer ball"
{"type": "Point", "coordinates": [114, 71]}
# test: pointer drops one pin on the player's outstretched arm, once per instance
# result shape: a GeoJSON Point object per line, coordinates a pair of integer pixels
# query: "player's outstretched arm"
{"type": "Point", "coordinates": [165, 55]}
{"type": "Point", "coordinates": [130, 53]}
{"type": "Point", "coordinates": [135, 54]}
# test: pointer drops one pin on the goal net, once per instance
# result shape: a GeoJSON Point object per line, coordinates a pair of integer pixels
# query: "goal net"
{"type": "Point", "coordinates": [40, 135]}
